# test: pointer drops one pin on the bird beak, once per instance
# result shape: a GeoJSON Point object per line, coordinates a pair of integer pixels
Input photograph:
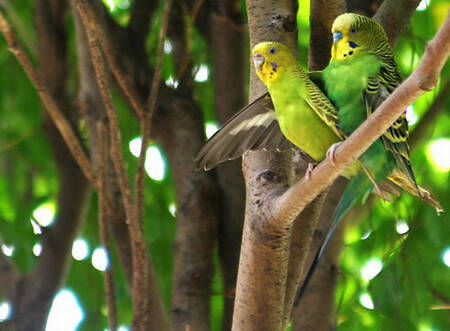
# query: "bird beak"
{"type": "Point", "coordinates": [258, 61]}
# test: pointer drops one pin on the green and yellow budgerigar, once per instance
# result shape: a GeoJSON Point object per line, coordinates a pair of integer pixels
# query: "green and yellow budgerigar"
{"type": "Point", "coordinates": [362, 73]}
{"type": "Point", "coordinates": [300, 109]}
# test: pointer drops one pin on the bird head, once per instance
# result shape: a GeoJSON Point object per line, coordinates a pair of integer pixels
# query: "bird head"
{"type": "Point", "coordinates": [354, 34]}
{"type": "Point", "coordinates": [271, 59]}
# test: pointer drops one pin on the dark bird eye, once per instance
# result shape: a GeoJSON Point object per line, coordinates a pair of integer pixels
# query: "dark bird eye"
{"type": "Point", "coordinates": [272, 50]}
{"type": "Point", "coordinates": [353, 31]}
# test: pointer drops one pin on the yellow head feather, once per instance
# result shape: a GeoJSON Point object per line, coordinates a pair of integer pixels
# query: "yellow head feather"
{"type": "Point", "coordinates": [271, 60]}
{"type": "Point", "coordinates": [354, 34]}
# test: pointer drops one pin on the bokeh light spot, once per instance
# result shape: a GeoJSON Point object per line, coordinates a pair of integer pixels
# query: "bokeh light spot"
{"type": "Point", "coordinates": [411, 116]}
{"type": "Point", "coordinates": [100, 259]}
{"type": "Point", "coordinates": [8, 250]}
{"type": "Point", "coordinates": [45, 214]}
{"type": "Point", "coordinates": [154, 164]}
{"type": "Point", "coordinates": [167, 46]}
{"type": "Point", "coordinates": [446, 257]}
{"type": "Point", "coordinates": [210, 129]}
{"type": "Point", "coordinates": [172, 82]}
{"type": "Point", "coordinates": [5, 311]}
{"type": "Point", "coordinates": [37, 249]}
{"type": "Point", "coordinates": [371, 269]}
{"type": "Point", "coordinates": [65, 313]}
{"type": "Point", "coordinates": [401, 227]}
{"type": "Point", "coordinates": [202, 74]}
{"type": "Point", "coordinates": [438, 152]}
{"type": "Point", "coordinates": [366, 301]}
{"type": "Point", "coordinates": [173, 209]}
{"type": "Point", "coordinates": [423, 5]}
{"type": "Point", "coordinates": [80, 249]}
{"type": "Point", "coordinates": [135, 146]}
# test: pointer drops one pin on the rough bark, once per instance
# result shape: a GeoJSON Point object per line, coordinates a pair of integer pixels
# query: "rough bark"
{"type": "Point", "coordinates": [322, 15]}
{"type": "Point", "coordinates": [196, 226]}
{"type": "Point", "coordinates": [394, 15]}
{"type": "Point", "coordinates": [261, 285]}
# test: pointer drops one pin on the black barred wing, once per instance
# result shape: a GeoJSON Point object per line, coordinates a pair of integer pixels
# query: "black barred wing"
{"type": "Point", "coordinates": [252, 128]}
{"type": "Point", "coordinates": [395, 139]}
{"type": "Point", "coordinates": [320, 103]}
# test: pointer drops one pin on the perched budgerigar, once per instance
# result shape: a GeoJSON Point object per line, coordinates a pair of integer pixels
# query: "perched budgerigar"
{"type": "Point", "coordinates": [362, 73]}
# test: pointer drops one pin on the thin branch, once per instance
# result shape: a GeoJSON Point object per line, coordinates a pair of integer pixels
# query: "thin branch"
{"type": "Point", "coordinates": [102, 81]}
{"type": "Point", "coordinates": [139, 248]}
{"type": "Point", "coordinates": [147, 118]}
{"type": "Point", "coordinates": [294, 200]}
{"type": "Point", "coordinates": [47, 99]}
{"type": "Point", "coordinates": [104, 213]}
{"type": "Point", "coordinates": [111, 57]}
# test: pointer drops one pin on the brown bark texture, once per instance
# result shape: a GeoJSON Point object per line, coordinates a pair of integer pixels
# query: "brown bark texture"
{"type": "Point", "coordinates": [262, 275]}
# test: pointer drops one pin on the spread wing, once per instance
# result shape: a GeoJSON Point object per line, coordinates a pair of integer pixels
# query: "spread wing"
{"type": "Point", "coordinates": [252, 128]}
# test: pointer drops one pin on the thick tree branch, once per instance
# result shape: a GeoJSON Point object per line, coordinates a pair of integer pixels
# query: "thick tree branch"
{"type": "Point", "coordinates": [140, 18]}
{"type": "Point", "coordinates": [178, 127]}
{"type": "Point", "coordinates": [61, 122]}
{"type": "Point", "coordinates": [294, 200]}
{"type": "Point", "coordinates": [394, 15]}
{"type": "Point", "coordinates": [323, 13]}
{"type": "Point", "coordinates": [263, 264]}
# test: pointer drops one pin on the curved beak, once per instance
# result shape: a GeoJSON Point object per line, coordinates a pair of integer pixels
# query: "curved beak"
{"type": "Point", "coordinates": [258, 61]}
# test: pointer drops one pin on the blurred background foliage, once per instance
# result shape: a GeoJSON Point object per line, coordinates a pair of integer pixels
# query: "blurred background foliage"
{"type": "Point", "coordinates": [396, 261]}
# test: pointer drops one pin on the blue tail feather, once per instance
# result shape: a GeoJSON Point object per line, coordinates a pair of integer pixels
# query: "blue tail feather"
{"type": "Point", "coordinates": [356, 189]}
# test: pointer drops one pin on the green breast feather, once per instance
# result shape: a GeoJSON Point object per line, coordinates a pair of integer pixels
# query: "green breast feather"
{"type": "Point", "coordinates": [344, 81]}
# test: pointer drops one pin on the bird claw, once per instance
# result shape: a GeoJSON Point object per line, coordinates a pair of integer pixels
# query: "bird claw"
{"type": "Point", "coordinates": [310, 169]}
{"type": "Point", "coordinates": [331, 153]}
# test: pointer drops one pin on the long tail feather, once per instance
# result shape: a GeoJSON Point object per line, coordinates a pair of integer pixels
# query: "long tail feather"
{"type": "Point", "coordinates": [357, 187]}
{"type": "Point", "coordinates": [399, 179]}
